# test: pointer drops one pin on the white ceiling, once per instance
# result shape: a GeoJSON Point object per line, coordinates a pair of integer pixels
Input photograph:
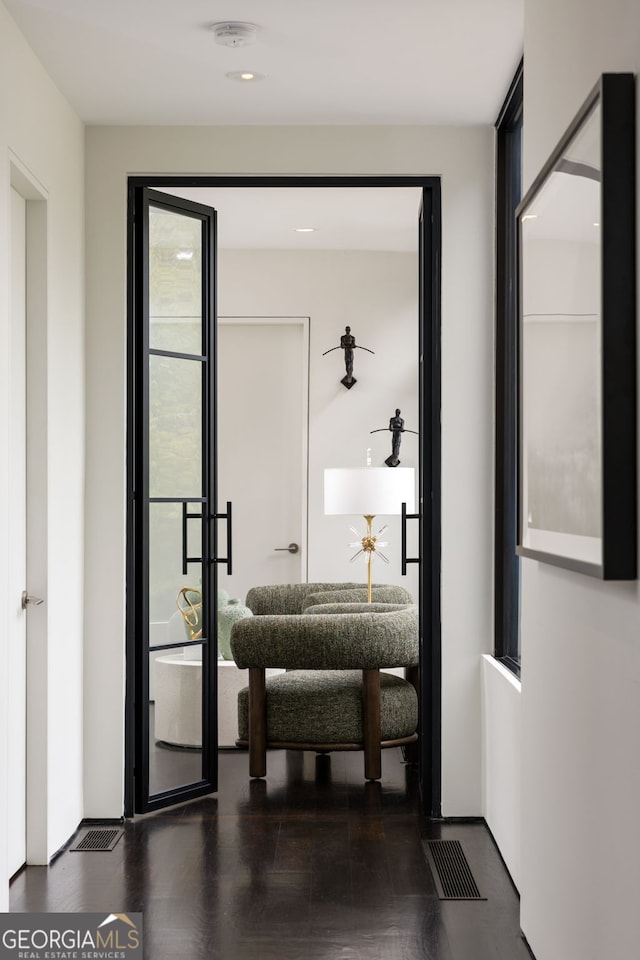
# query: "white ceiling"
{"type": "Point", "coordinates": [324, 61]}
{"type": "Point", "coordinates": [362, 218]}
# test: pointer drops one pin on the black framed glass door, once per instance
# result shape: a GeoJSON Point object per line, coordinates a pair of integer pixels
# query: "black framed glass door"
{"type": "Point", "coordinates": [172, 497]}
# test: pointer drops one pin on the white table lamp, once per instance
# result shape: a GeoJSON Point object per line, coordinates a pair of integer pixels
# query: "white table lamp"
{"type": "Point", "coordinates": [370, 492]}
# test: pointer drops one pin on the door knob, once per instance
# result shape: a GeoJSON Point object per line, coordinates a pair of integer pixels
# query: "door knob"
{"type": "Point", "coordinates": [28, 599]}
{"type": "Point", "coordinates": [292, 548]}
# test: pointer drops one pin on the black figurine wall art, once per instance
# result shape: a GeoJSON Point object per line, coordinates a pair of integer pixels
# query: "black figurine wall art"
{"type": "Point", "coordinates": [348, 344]}
{"type": "Point", "coordinates": [397, 428]}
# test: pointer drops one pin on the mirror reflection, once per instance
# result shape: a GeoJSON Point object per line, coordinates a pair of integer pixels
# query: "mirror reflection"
{"type": "Point", "coordinates": [561, 356]}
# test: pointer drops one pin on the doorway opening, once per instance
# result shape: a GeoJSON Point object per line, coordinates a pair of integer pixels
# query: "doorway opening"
{"type": "Point", "coordinates": [424, 453]}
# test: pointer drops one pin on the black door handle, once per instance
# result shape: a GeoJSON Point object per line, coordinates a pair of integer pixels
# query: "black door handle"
{"type": "Point", "coordinates": [403, 533]}
{"type": "Point", "coordinates": [186, 516]}
{"type": "Point", "coordinates": [228, 559]}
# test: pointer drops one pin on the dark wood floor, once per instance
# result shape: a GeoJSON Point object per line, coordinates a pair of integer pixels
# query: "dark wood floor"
{"type": "Point", "coordinates": [311, 863]}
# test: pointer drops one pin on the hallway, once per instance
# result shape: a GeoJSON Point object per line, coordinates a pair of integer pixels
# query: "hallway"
{"type": "Point", "coordinates": [311, 863]}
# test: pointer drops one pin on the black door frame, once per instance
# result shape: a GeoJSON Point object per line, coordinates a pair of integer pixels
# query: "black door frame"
{"type": "Point", "coordinates": [430, 245]}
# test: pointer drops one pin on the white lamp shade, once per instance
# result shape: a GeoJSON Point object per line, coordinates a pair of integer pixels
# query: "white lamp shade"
{"type": "Point", "coordinates": [368, 491]}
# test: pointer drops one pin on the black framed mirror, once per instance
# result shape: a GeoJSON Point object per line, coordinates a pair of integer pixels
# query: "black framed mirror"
{"type": "Point", "coordinates": [577, 357]}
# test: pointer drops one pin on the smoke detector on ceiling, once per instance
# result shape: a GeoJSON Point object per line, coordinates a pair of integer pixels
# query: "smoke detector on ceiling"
{"type": "Point", "coordinates": [234, 33]}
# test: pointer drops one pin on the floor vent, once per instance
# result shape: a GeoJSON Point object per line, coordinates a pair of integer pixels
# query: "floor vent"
{"type": "Point", "coordinates": [451, 872]}
{"type": "Point", "coordinates": [97, 840]}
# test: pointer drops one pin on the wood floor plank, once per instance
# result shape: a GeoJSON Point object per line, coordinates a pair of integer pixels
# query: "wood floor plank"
{"type": "Point", "coordinates": [309, 863]}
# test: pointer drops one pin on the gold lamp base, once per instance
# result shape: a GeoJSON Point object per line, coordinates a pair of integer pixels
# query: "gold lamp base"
{"type": "Point", "coordinates": [369, 546]}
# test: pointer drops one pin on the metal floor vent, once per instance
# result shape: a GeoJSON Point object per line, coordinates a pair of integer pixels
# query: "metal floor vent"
{"type": "Point", "coordinates": [97, 840]}
{"type": "Point", "coordinates": [451, 872]}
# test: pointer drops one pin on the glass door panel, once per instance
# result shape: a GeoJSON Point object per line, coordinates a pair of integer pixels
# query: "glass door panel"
{"type": "Point", "coordinates": [175, 426]}
{"type": "Point", "coordinates": [175, 496]}
{"type": "Point", "coordinates": [175, 539]}
{"type": "Point", "coordinates": [175, 282]}
{"type": "Point", "coordinates": [175, 720]}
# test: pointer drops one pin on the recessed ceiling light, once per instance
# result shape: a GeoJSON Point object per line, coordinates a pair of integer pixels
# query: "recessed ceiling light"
{"type": "Point", "coordinates": [244, 76]}
{"type": "Point", "coordinates": [184, 255]}
{"type": "Point", "coordinates": [306, 229]}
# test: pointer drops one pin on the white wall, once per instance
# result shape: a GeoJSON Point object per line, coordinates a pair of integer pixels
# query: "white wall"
{"type": "Point", "coordinates": [42, 139]}
{"type": "Point", "coordinates": [580, 870]}
{"type": "Point", "coordinates": [464, 159]}
{"type": "Point", "coordinates": [377, 295]}
{"type": "Point", "coordinates": [502, 759]}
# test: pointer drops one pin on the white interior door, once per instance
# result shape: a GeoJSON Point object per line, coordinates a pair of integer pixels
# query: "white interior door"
{"type": "Point", "coordinates": [262, 447]}
{"type": "Point", "coordinates": [17, 539]}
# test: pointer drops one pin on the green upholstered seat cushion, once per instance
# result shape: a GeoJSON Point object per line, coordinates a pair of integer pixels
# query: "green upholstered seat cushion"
{"type": "Point", "coordinates": [322, 609]}
{"type": "Point", "coordinates": [379, 594]}
{"type": "Point", "coordinates": [289, 598]}
{"type": "Point", "coordinates": [285, 598]}
{"type": "Point", "coordinates": [325, 706]}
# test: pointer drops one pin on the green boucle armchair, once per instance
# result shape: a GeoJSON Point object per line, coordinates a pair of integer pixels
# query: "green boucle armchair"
{"type": "Point", "coordinates": [333, 695]}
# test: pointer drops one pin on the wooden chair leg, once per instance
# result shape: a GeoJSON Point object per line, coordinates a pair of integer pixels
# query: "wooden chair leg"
{"type": "Point", "coordinates": [371, 723]}
{"type": "Point", "coordinates": [257, 723]}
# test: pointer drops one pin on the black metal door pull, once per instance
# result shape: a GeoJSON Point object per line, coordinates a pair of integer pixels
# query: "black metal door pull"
{"type": "Point", "coordinates": [403, 549]}
{"type": "Point", "coordinates": [226, 516]}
